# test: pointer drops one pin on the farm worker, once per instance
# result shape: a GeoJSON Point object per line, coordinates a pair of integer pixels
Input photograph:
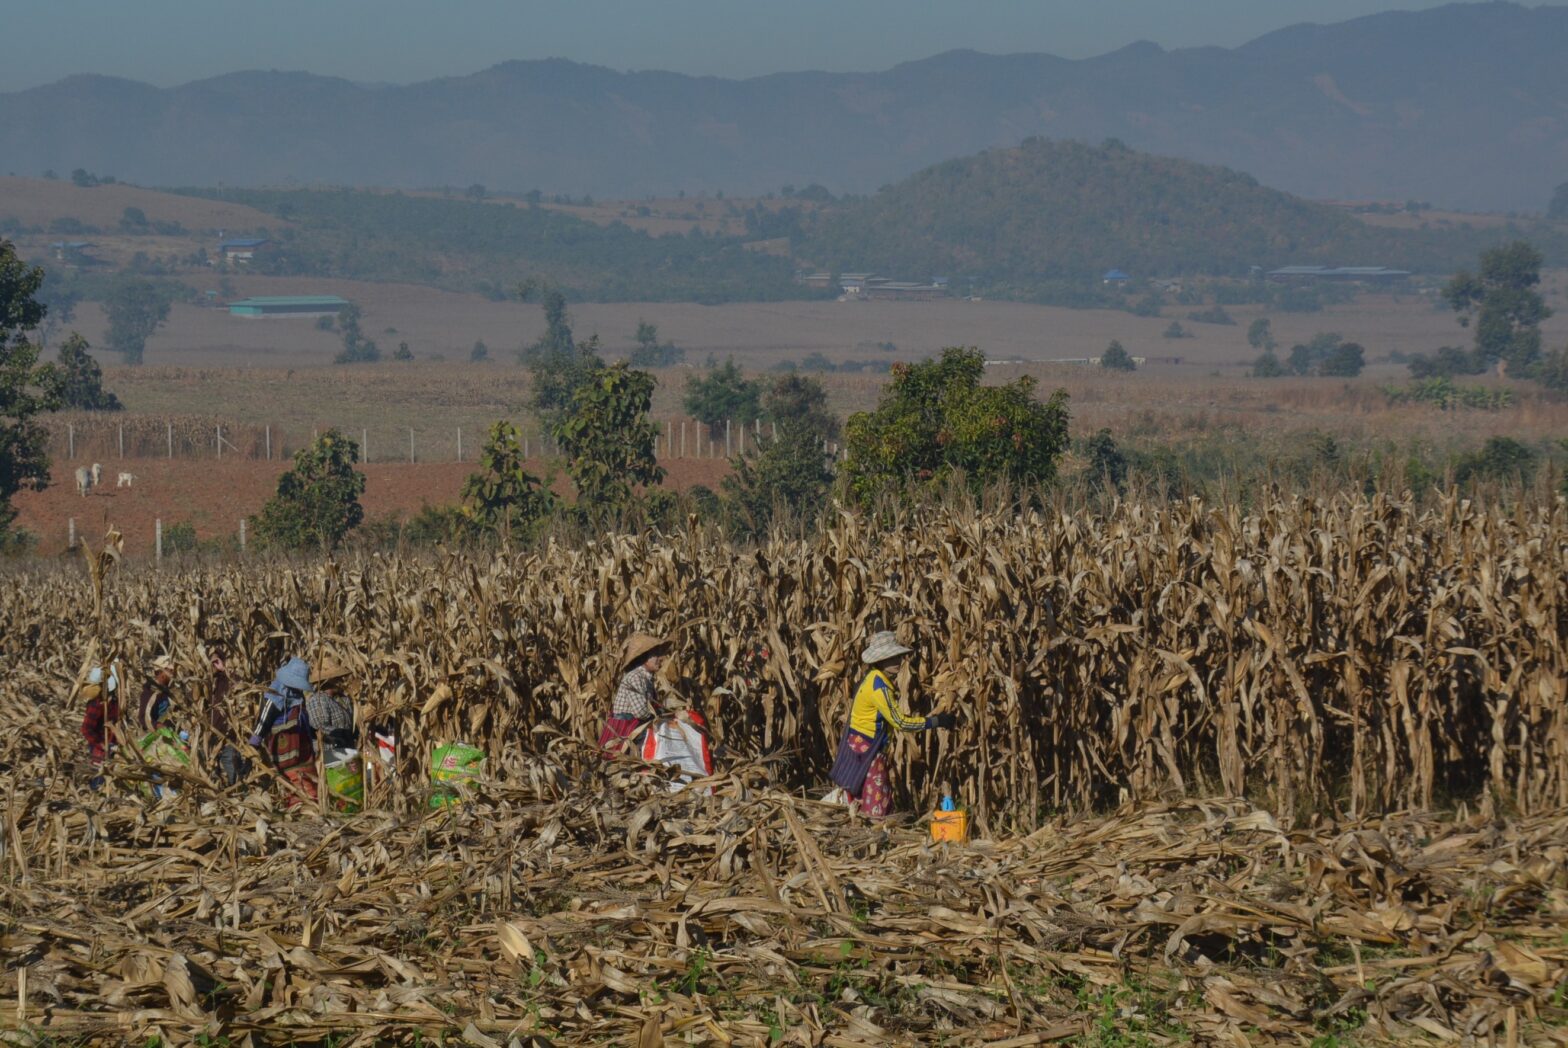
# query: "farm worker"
{"type": "Point", "coordinates": [283, 729]}
{"type": "Point", "coordinates": [859, 766]}
{"type": "Point", "coordinates": [157, 701]}
{"type": "Point", "coordinates": [103, 709]}
{"type": "Point", "coordinates": [635, 701]}
{"type": "Point", "coordinates": [329, 710]}
{"type": "Point", "coordinates": [231, 766]}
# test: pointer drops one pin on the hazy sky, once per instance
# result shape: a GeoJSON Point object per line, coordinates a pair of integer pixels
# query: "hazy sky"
{"type": "Point", "coordinates": [171, 41]}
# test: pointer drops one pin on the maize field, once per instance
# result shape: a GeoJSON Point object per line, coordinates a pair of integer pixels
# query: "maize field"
{"type": "Point", "coordinates": [1203, 751]}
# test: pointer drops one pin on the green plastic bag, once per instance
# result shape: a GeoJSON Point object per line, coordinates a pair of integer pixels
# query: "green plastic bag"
{"type": "Point", "coordinates": [452, 766]}
{"type": "Point", "coordinates": [346, 784]}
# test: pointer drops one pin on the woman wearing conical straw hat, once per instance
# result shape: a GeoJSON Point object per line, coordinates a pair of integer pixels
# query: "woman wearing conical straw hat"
{"type": "Point", "coordinates": [873, 716]}
{"type": "Point", "coordinates": [635, 701]}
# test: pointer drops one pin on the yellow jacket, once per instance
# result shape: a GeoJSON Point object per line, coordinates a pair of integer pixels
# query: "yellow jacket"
{"type": "Point", "coordinates": [874, 706]}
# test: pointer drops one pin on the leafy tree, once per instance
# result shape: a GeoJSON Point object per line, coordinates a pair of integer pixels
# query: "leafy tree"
{"type": "Point", "coordinates": [1176, 331]}
{"type": "Point", "coordinates": [1552, 371]}
{"type": "Point", "coordinates": [650, 353]}
{"type": "Point", "coordinates": [559, 364]}
{"type": "Point", "coordinates": [608, 439]}
{"type": "Point", "coordinates": [1508, 311]}
{"type": "Point", "coordinates": [1260, 335]}
{"type": "Point", "coordinates": [1307, 358]}
{"type": "Point", "coordinates": [1115, 358]}
{"type": "Point", "coordinates": [1267, 365]}
{"type": "Point", "coordinates": [403, 353]}
{"type": "Point", "coordinates": [1107, 466]}
{"type": "Point", "coordinates": [723, 393]}
{"type": "Point", "coordinates": [792, 474]}
{"type": "Point", "coordinates": [27, 389]}
{"type": "Point", "coordinates": [1447, 362]}
{"type": "Point", "coordinates": [59, 298]}
{"type": "Point", "coordinates": [503, 496]}
{"type": "Point", "coordinates": [133, 220]}
{"type": "Point", "coordinates": [1343, 361]}
{"type": "Point", "coordinates": [1499, 459]}
{"type": "Point", "coordinates": [1148, 306]}
{"type": "Point", "coordinates": [1213, 315]}
{"type": "Point", "coordinates": [476, 192]}
{"type": "Point", "coordinates": [81, 379]}
{"type": "Point", "coordinates": [936, 419]}
{"type": "Point", "coordinates": [357, 349]}
{"type": "Point", "coordinates": [135, 307]}
{"type": "Point", "coordinates": [83, 178]}
{"type": "Point", "coordinates": [1558, 208]}
{"type": "Point", "coordinates": [317, 503]}
{"type": "Point", "coordinates": [326, 322]}
{"type": "Point", "coordinates": [480, 354]}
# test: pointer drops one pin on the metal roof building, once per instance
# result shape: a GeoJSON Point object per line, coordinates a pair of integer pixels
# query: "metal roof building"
{"type": "Point", "coordinates": [287, 305]}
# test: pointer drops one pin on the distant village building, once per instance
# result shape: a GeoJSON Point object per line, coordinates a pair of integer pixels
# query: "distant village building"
{"type": "Point", "coordinates": [73, 251]}
{"type": "Point", "coordinates": [241, 251]}
{"type": "Point", "coordinates": [288, 306]}
{"type": "Point", "coordinates": [1115, 277]}
{"type": "Point", "coordinates": [871, 286]}
{"type": "Point", "coordinates": [1362, 274]}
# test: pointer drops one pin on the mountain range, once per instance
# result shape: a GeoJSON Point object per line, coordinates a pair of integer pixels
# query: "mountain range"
{"type": "Point", "coordinates": [1462, 106]}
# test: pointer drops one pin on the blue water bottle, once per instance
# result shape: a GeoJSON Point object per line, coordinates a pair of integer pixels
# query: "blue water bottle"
{"type": "Point", "coordinates": [947, 803]}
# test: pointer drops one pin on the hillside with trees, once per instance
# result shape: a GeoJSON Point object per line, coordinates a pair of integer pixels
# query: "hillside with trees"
{"type": "Point", "coordinates": [1048, 212]}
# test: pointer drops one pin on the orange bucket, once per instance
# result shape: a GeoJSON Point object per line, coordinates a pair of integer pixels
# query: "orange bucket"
{"type": "Point", "coordinates": [950, 826]}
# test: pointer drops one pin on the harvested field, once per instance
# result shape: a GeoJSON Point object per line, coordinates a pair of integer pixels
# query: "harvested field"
{"type": "Point", "coordinates": [1346, 666]}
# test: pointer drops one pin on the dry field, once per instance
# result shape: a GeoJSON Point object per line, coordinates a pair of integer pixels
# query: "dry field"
{"type": "Point", "coordinates": [1371, 696]}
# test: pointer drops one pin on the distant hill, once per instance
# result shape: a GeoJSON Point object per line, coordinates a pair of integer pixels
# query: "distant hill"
{"type": "Point", "coordinates": [1064, 212]}
{"type": "Point", "coordinates": [1463, 106]}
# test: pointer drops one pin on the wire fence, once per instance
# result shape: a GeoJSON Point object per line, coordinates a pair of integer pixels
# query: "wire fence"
{"type": "Point", "coordinates": [89, 438]}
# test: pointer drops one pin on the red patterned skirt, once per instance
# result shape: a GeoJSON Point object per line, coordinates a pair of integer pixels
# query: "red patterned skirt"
{"type": "Point", "coordinates": [873, 799]}
{"type": "Point", "coordinates": [616, 730]}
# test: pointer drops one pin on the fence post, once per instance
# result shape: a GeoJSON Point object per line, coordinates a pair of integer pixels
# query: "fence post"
{"type": "Point", "coordinates": [364, 445]}
{"type": "Point", "coordinates": [775, 432]}
{"type": "Point", "coordinates": [122, 440]}
{"type": "Point", "coordinates": [220, 440]}
{"type": "Point", "coordinates": [171, 439]}
{"type": "Point", "coordinates": [742, 446]}
{"type": "Point", "coordinates": [727, 438]}
{"type": "Point", "coordinates": [157, 539]}
{"type": "Point", "coordinates": [411, 445]}
{"type": "Point", "coordinates": [70, 440]}
{"type": "Point", "coordinates": [525, 446]}
{"type": "Point", "coordinates": [269, 442]}
{"type": "Point", "coordinates": [459, 443]}
{"type": "Point", "coordinates": [242, 535]}
{"type": "Point", "coordinates": [669, 442]}
{"type": "Point", "coordinates": [70, 533]}
{"type": "Point", "coordinates": [683, 438]}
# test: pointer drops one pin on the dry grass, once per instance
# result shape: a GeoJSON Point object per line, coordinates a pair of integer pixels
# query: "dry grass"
{"type": "Point", "coordinates": [1330, 660]}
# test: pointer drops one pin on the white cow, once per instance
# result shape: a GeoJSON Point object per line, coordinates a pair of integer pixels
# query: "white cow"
{"type": "Point", "coordinates": [125, 480]}
{"type": "Point", "coordinates": [97, 474]}
{"type": "Point", "coordinates": [84, 480]}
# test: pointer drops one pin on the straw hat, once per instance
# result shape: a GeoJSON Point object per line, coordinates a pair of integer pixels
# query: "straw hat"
{"type": "Point", "coordinates": [639, 645]}
{"type": "Point", "coordinates": [91, 692]}
{"type": "Point", "coordinates": [329, 671]}
{"type": "Point", "coordinates": [883, 645]}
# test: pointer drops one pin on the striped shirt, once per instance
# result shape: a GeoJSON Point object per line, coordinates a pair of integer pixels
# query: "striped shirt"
{"type": "Point", "coordinates": [635, 698]}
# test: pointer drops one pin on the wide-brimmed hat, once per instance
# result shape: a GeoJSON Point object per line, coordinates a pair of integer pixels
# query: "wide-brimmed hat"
{"type": "Point", "coordinates": [92, 691]}
{"type": "Point", "coordinates": [639, 645]}
{"type": "Point", "coordinates": [883, 645]}
{"type": "Point", "coordinates": [329, 671]}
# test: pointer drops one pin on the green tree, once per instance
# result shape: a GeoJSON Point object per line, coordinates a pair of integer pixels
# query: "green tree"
{"type": "Point", "coordinates": [1557, 210]}
{"type": "Point", "coordinates": [1107, 466]}
{"type": "Point", "coordinates": [559, 364]}
{"type": "Point", "coordinates": [317, 503]}
{"type": "Point", "coordinates": [135, 309]}
{"type": "Point", "coordinates": [480, 354]}
{"type": "Point", "coordinates": [1344, 361]}
{"type": "Point", "coordinates": [1176, 331]}
{"type": "Point", "coordinates": [650, 352]}
{"type": "Point", "coordinates": [1552, 372]}
{"type": "Point", "coordinates": [1499, 459]}
{"type": "Point", "coordinates": [503, 496]}
{"type": "Point", "coordinates": [81, 379]}
{"type": "Point", "coordinates": [1307, 358]}
{"type": "Point", "coordinates": [1501, 297]}
{"type": "Point", "coordinates": [791, 474]}
{"type": "Point", "coordinates": [1267, 365]}
{"type": "Point", "coordinates": [1260, 335]}
{"type": "Point", "coordinates": [133, 220]}
{"type": "Point", "coordinates": [357, 349]}
{"type": "Point", "coordinates": [27, 388]}
{"type": "Point", "coordinates": [608, 440]}
{"type": "Point", "coordinates": [723, 393]}
{"type": "Point", "coordinates": [935, 419]}
{"type": "Point", "coordinates": [1115, 358]}
{"type": "Point", "coordinates": [403, 353]}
